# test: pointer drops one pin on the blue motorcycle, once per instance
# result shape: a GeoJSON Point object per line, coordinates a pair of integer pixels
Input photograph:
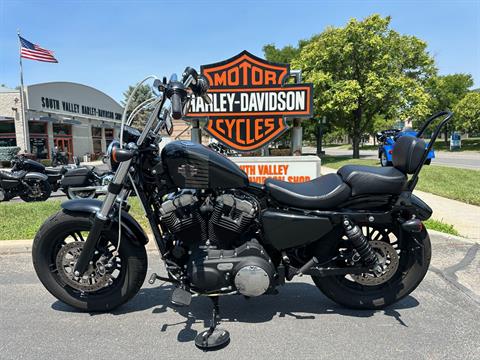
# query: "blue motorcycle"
{"type": "Point", "coordinates": [387, 139]}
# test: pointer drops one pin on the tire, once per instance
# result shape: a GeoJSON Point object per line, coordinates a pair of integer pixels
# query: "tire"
{"type": "Point", "coordinates": [44, 188]}
{"type": "Point", "coordinates": [407, 277]}
{"type": "Point", "coordinates": [50, 240]}
{"type": "Point", "coordinates": [384, 160]}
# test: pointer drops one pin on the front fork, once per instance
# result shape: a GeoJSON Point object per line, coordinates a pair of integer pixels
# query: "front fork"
{"type": "Point", "coordinates": [101, 218]}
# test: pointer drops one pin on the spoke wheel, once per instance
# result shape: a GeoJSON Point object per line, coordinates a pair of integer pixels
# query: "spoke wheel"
{"type": "Point", "coordinates": [39, 191]}
{"type": "Point", "coordinates": [109, 280]}
{"type": "Point", "coordinates": [71, 194]}
{"type": "Point", "coordinates": [385, 243]}
{"type": "Point", "coordinates": [405, 265]}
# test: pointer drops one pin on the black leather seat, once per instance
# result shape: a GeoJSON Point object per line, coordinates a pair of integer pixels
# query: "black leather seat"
{"type": "Point", "coordinates": [322, 193]}
{"type": "Point", "coordinates": [406, 158]}
{"type": "Point", "coordinates": [15, 175]}
{"type": "Point", "coordinates": [373, 180]}
{"type": "Point", "coordinates": [56, 170]}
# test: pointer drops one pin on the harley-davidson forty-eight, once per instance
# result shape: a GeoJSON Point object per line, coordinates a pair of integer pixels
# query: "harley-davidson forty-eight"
{"type": "Point", "coordinates": [358, 233]}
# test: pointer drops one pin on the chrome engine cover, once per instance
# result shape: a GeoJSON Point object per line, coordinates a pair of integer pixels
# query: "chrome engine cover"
{"type": "Point", "coordinates": [252, 280]}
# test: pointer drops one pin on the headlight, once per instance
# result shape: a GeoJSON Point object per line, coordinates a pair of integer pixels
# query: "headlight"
{"type": "Point", "coordinates": [113, 165]}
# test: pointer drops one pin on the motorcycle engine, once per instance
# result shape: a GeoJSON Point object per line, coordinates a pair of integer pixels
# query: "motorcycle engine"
{"type": "Point", "coordinates": [215, 243]}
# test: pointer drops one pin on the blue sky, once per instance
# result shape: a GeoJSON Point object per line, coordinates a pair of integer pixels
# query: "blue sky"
{"type": "Point", "coordinates": [111, 44]}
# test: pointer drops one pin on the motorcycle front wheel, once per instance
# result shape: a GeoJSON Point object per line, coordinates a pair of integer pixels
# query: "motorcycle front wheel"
{"type": "Point", "coordinates": [408, 260]}
{"type": "Point", "coordinates": [109, 281]}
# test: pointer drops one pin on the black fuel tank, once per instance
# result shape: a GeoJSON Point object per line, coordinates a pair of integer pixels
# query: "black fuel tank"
{"type": "Point", "coordinates": [194, 166]}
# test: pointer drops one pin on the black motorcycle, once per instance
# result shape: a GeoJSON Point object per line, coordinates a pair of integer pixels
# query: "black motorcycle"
{"type": "Point", "coordinates": [26, 179]}
{"type": "Point", "coordinates": [54, 174]}
{"type": "Point", "coordinates": [85, 182]}
{"type": "Point", "coordinates": [358, 233]}
{"type": "Point", "coordinates": [59, 157]}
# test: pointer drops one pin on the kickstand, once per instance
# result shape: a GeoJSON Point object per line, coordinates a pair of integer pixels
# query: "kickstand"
{"type": "Point", "coordinates": [213, 338]}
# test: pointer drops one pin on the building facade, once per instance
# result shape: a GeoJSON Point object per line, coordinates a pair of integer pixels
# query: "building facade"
{"type": "Point", "coordinates": [74, 118]}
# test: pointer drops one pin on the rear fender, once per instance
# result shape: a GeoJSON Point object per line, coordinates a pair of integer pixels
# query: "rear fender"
{"type": "Point", "coordinates": [129, 225]}
{"type": "Point", "coordinates": [35, 176]}
{"type": "Point", "coordinates": [423, 211]}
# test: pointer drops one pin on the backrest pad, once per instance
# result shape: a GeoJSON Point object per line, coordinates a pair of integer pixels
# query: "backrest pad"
{"type": "Point", "coordinates": [407, 153]}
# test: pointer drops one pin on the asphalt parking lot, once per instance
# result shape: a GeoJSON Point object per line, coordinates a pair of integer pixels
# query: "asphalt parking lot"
{"type": "Point", "coordinates": [437, 321]}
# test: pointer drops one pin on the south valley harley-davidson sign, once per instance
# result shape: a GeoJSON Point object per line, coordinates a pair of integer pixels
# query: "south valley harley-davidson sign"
{"type": "Point", "coordinates": [250, 101]}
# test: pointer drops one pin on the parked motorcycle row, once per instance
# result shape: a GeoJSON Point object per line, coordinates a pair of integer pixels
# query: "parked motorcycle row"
{"type": "Point", "coordinates": [32, 181]}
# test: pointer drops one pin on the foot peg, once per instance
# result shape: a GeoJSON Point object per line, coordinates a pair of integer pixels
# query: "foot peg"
{"type": "Point", "coordinates": [310, 264]}
{"type": "Point", "coordinates": [181, 297]}
{"type": "Point", "coordinates": [152, 279]}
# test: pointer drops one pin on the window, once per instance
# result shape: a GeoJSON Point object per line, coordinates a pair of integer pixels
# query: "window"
{"type": "Point", "coordinates": [7, 127]}
{"type": "Point", "coordinates": [96, 132]}
{"type": "Point", "coordinates": [62, 130]}
{"type": "Point", "coordinates": [7, 134]}
{"type": "Point", "coordinates": [37, 128]}
{"type": "Point", "coordinates": [97, 139]}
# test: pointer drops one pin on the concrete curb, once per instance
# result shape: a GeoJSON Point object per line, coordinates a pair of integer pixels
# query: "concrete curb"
{"type": "Point", "coordinates": [12, 247]}
{"type": "Point", "coordinates": [445, 236]}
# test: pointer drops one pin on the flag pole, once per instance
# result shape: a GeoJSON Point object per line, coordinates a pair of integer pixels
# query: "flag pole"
{"type": "Point", "coordinates": [22, 99]}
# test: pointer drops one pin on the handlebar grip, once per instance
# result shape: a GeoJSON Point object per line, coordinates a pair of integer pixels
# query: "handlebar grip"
{"type": "Point", "coordinates": [177, 106]}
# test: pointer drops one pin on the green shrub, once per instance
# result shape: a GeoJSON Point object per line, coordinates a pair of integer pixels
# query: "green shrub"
{"type": "Point", "coordinates": [5, 164]}
{"type": "Point", "coordinates": [46, 162]}
{"type": "Point", "coordinates": [8, 152]}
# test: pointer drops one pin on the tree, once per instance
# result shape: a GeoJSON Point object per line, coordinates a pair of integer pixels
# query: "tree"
{"type": "Point", "coordinates": [366, 69]}
{"type": "Point", "coordinates": [446, 91]}
{"type": "Point", "coordinates": [143, 93]}
{"type": "Point", "coordinates": [467, 113]}
{"type": "Point", "coordinates": [283, 55]}
{"type": "Point", "coordinates": [378, 124]}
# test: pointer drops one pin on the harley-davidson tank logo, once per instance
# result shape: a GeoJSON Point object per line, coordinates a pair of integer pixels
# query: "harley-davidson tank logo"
{"type": "Point", "coordinates": [250, 101]}
{"type": "Point", "coordinates": [187, 171]}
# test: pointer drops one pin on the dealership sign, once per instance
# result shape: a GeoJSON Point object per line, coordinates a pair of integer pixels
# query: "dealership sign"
{"type": "Point", "coordinates": [250, 101]}
{"type": "Point", "coordinates": [285, 168]}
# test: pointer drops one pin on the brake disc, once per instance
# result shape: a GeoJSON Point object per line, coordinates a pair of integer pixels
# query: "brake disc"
{"type": "Point", "coordinates": [389, 260]}
{"type": "Point", "coordinates": [95, 278]}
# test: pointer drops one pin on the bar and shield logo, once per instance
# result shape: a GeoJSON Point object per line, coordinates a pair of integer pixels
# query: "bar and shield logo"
{"type": "Point", "coordinates": [250, 101]}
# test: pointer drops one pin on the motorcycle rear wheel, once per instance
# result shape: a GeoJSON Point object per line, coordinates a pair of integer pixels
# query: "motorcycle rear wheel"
{"type": "Point", "coordinates": [67, 229]}
{"type": "Point", "coordinates": [412, 268]}
{"type": "Point", "coordinates": [42, 187]}
{"type": "Point", "coordinates": [71, 195]}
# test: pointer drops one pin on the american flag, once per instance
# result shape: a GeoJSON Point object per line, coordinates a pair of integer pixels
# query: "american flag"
{"type": "Point", "coordinates": [35, 52]}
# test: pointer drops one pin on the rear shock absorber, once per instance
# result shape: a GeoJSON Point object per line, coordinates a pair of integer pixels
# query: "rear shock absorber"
{"type": "Point", "coordinates": [361, 244]}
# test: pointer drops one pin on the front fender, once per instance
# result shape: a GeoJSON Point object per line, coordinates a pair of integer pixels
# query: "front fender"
{"type": "Point", "coordinates": [36, 176]}
{"type": "Point", "coordinates": [92, 206]}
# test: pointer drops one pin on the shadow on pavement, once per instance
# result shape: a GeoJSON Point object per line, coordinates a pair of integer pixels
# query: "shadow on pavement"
{"type": "Point", "coordinates": [298, 301]}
